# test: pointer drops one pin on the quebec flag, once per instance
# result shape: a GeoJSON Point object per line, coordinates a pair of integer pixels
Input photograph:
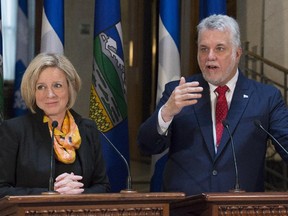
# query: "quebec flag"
{"type": "Point", "coordinates": [19, 106]}
{"type": "Point", "coordinates": [108, 104]}
{"type": "Point", "coordinates": [168, 70]}
{"type": "Point", "coordinates": [52, 34]}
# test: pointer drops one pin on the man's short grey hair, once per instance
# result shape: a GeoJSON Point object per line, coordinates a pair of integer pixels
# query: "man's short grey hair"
{"type": "Point", "coordinates": [222, 23]}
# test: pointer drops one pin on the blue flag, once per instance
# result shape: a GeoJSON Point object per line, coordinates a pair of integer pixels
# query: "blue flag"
{"type": "Point", "coordinates": [52, 35]}
{"type": "Point", "coordinates": [1, 73]}
{"type": "Point", "coordinates": [168, 70]}
{"type": "Point", "coordinates": [209, 7]}
{"type": "Point", "coordinates": [108, 104]}
{"type": "Point", "coordinates": [19, 106]}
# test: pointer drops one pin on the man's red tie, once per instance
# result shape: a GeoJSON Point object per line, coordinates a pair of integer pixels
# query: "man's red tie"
{"type": "Point", "coordinates": [221, 111]}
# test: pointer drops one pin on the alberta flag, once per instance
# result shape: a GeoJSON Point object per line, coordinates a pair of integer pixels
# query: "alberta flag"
{"type": "Point", "coordinates": [209, 7]}
{"type": "Point", "coordinates": [108, 105]}
{"type": "Point", "coordinates": [1, 72]}
{"type": "Point", "coordinates": [52, 34]}
{"type": "Point", "coordinates": [168, 70]}
{"type": "Point", "coordinates": [19, 106]}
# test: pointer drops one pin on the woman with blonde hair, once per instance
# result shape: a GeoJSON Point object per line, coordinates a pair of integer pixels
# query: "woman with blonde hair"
{"type": "Point", "coordinates": [49, 88]}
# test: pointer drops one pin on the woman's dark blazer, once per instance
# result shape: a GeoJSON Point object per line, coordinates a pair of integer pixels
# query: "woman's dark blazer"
{"type": "Point", "coordinates": [25, 149]}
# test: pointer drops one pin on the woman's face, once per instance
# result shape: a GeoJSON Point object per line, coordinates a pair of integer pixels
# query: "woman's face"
{"type": "Point", "coordinates": [52, 93]}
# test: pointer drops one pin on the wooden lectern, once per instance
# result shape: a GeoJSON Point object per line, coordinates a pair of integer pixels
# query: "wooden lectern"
{"type": "Point", "coordinates": [244, 204]}
{"type": "Point", "coordinates": [89, 204]}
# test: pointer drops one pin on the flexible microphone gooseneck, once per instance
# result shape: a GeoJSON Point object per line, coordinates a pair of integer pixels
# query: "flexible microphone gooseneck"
{"type": "Point", "coordinates": [259, 125]}
{"type": "Point", "coordinates": [52, 162]}
{"type": "Point", "coordinates": [129, 178]}
{"type": "Point", "coordinates": [237, 185]}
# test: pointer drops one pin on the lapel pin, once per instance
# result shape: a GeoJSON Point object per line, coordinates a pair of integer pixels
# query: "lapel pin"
{"type": "Point", "coordinates": [245, 96]}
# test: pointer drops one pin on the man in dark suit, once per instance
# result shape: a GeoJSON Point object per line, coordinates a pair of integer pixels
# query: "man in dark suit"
{"type": "Point", "coordinates": [200, 157]}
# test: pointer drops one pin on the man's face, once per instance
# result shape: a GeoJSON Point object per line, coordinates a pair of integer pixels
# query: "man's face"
{"type": "Point", "coordinates": [217, 57]}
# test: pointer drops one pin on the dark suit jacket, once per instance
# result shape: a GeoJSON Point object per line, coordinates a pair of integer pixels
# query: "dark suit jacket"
{"type": "Point", "coordinates": [192, 166]}
{"type": "Point", "coordinates": [25, 147]}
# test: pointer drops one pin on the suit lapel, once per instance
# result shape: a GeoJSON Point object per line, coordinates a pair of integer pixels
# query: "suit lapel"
{"type": "Point", "coordinates": [240, 100]}
{"type": "Point", "coordinates": [203, 114]}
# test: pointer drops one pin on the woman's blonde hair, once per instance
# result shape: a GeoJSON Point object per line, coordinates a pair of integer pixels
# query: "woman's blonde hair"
{"type": "Point", "coordinates": [33, 71]}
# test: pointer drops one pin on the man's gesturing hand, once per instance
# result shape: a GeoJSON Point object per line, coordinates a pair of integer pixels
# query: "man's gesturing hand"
{"type": "Point", "coordinates": [185, 94]}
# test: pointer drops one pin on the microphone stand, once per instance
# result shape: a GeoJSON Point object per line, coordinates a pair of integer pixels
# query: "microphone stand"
{"type": "Point", "coordinates": [237, 185]}
{"type": "Point", "coordinates": [129, 179]}
{"type": "Point", "coordinates": [259, 125]}
{"type": "Point", "coordinates": [52, 162]}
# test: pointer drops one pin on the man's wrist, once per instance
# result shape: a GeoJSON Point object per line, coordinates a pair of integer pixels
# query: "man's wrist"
{"type": "Point", "coordinates": [162, 125]}
{"type": "Point", "coordinates": [165, 115]}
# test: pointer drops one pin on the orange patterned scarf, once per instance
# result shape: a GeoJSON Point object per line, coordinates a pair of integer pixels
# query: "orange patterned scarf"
{"type": "Point", "coordinates": [67, 140]}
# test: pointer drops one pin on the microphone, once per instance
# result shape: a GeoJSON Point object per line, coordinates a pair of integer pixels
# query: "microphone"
{"type": "Point", "coordinates": [129, 178]}
{"type": "Point", "coordinates": [52, 163]}
{"type": "Point", "coordinates": [259, 125]}
{"type": "Point", "coordinates": [237, 185]}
